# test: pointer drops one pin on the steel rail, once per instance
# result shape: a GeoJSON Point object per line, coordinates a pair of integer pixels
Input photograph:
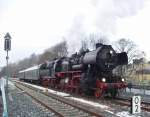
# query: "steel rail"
{"type": "Point", "coordinates": [40, 102]}
{"type": "Point", "coordinates": [61, 99]}
{"type": "Point", "coordinates": [127, 102]}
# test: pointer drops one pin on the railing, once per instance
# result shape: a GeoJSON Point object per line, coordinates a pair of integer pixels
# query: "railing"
{"type": "Point", "coordinates": [135, 86]}
{"type": "Point", "coordinates": [2, 86]}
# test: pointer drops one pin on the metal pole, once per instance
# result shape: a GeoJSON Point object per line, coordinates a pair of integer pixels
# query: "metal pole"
{"type": "Point", "coordinates": [6, 85]}
{"type": "Point", "coordinates": [7, 47]}
{"type": "Point", "coordinates": [5, 109]}
{"type": "Point", "coordinates": [7, 72]}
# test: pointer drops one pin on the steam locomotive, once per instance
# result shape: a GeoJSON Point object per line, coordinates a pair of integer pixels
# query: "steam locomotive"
{"type": "Point", "coordinates": [87, 72]}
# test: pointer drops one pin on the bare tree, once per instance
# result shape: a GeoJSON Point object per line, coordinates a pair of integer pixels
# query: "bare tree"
{"type": "Point", "coordinates": [61, 49]}
{"type": "Point", "coordinates": [128, 46]}
{"type": "Point", "coordinates": [47, 55]}
{"type": "Point", "coordinates": [33, 59]}
{"type": "Point", "coordinates": [57, 51]}
{"type": "Point", "coordinates": [97, 38]}
{"type": "Point", "coordinates": [84, 45]}
{"type": "Point", "coordinates": [90, 41]}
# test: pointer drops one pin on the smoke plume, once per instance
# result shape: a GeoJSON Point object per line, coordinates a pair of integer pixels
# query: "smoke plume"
{"type": "Point", "coordinates": [100, 16]}
{"type": "Point", "coordinates": [108, 11]}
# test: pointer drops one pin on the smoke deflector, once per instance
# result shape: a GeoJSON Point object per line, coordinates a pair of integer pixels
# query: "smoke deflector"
{"type": "Point", "coordinates": [122, 58]}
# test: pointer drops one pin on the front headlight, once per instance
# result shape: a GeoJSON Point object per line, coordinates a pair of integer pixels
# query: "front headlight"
{"type": "Point", "coordinates": [66, 80]}
{"type": "Point", "coordinates": [103, 79]}
{"type": "Point", "coordinates": [122, 79]}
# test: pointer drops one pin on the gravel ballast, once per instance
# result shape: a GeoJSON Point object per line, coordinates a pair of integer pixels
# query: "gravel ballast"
{"type": "Point", "coordinates": [22, 105]}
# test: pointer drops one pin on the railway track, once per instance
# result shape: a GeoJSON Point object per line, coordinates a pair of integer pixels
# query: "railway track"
{"type": "Point", "coordinates": [114, 105]}
{"type": "Point", "coordinates": [127, 102]}
{"type": "Point", "coordinates": [61, 107]}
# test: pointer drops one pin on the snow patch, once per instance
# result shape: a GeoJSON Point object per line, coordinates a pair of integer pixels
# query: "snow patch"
{"type": "Point", "coordinates": [10, 83]}
{"type": "Point", "coordinates": [49, 90]}
{"type": "Point", "coordinates": [126, 114]}
{"type": "Point", "coordinates": [3, 81]}
{"type": "Point", "coordinates": [66, 95]}
{"type": "Point", "coordinates": [58, 93]}
{"type": "Point", "coordinates": [89, 102]}
{"type": "Point", "coordinates": [109, 111]}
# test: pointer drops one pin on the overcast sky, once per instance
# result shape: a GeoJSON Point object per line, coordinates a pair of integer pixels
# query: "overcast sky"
{"type": "Point", "coordinates": [35, 25]}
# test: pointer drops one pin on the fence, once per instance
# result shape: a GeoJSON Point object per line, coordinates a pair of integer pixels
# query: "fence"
{"type": "Point", "coordinates": [2, 87]}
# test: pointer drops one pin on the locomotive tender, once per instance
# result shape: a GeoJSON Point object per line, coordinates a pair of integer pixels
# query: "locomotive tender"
{"type": "Point", "coordinates": [88, 72]}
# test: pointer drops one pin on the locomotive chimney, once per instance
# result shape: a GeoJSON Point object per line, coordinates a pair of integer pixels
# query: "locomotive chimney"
{"type": "Point", "coordinates": [98, 45]}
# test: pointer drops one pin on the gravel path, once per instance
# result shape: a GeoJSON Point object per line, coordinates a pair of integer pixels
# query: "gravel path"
{"type": "Point", "coordinates": [21, 105]}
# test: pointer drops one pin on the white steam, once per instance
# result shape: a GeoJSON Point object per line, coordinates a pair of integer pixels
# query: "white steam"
{"type": "Point", "coordinates": [108, 11]}
{"type": "Point", "coordinates": [100, 16]}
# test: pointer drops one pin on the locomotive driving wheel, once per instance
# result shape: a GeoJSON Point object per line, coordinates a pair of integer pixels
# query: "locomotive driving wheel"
{"type": "Point", "coordinates": [98, 93]}
{"type": "Point", "coordinates": [114, 93]}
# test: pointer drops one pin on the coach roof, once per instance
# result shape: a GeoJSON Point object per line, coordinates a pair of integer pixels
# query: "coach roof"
{"type": "Point", "coordinates": [30, 69]}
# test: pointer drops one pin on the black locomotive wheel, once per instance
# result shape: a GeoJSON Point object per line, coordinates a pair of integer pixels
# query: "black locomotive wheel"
{"type": "Point", "coordinates": [98, 93]}
{"type": "Point", "coordinates": [114, 93]}
{"type": "Point", "coordinates": [88, 92]}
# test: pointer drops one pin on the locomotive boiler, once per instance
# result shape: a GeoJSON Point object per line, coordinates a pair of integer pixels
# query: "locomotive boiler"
{"type": "Point", "coordinates": [86, 72]}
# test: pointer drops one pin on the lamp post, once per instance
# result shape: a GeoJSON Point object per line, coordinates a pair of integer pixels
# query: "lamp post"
{"type": "Point", "coordinates": [7, 47]}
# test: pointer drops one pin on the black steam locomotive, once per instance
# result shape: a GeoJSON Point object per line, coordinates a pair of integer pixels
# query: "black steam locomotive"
{"type": "Point", "coordinates": [87, 72]}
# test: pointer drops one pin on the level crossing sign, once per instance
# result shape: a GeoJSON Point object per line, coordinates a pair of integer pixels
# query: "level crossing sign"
{"type": "Point", "coordinates": [136, 104]}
